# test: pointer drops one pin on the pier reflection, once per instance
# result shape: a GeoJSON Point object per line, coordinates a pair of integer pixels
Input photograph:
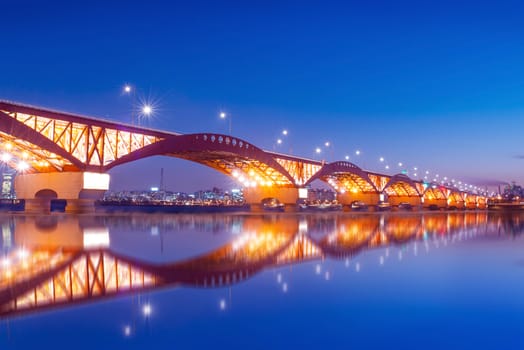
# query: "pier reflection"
{"type": "Point", "coordinates": [53, 261]}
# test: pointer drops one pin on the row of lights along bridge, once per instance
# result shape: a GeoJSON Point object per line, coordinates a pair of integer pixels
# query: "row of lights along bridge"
{"type": "Point", "coordinates": [145, 109]}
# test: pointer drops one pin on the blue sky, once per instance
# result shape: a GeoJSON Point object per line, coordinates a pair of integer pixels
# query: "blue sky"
{"type": "Point", "coordinates": [433, 84]}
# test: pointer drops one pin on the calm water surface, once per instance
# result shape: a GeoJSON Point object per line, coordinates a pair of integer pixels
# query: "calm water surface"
{"type": "Point", "coordinates": [410, 281]}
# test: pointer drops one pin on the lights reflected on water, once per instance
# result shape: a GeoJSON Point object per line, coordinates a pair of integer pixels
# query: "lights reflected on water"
{"type": "Point", "coordinates": [222, 304]}
{"type": "Point", "coordinates": [147, 310]}
{"type": "Point", "coordinates": [278, 243]}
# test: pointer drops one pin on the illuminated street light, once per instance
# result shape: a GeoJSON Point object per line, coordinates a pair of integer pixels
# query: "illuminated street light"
{"type": "Point", "coordinates": [147, 109]}
{"type": "Point", "coordinates": [279, 141]}
{"type": "Point", "coordinates": [347, 157]}
{"type": "Point", "coordinates": [6, 157]}
{"type": "Point", "coordinates": [318, 150]}
{"type": "Point", "coordinates": [357, 152]}
{"type": "Point", "coordinates": [284, 132]}
{"type": "Point", "coordinates": [22, 166]}
{"type": "Point", "coordinates": [381, 159]}
{"type": "Point", "coordinates": [327, 144]}
{"type": "Point", "coordinates": [223, 115]}
{"type": "Point", "coordinates": [129, 90]}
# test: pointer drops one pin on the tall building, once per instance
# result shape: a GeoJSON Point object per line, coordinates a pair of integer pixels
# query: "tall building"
{"type": "Point", "coordinates": [7, 185]}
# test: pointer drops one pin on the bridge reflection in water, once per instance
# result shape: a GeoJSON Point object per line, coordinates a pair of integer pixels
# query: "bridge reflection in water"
{"type": "Point", "coordinates": [39, 273]}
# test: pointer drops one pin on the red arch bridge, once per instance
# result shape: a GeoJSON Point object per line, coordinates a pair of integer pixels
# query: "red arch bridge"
{"type": "Point", "coordinates": [69, 155]}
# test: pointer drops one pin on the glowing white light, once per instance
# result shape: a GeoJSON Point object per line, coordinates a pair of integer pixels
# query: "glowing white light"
{"type": "Point", "coordinates": [318, 269]}
{"type": "Point", "coordinates": [127, 331]}
{"type": "Point", "coordinates": [147, 109]}
{"type": "Point", "coordinates": [399, 163]}
{"type": "Point", "coordinates": [279, 278]}
{"type": "Point", "coordinates": [387, 166]}
{"type": "Point", "coordinates": [357, 152]}
{"type": "Point", "coordinates": [222, 304]}
{"type": "Point", "coordinates": [318, 150]}
{"type": "Point", "coordinates": [22, 166]}
{"type": "Point", "coordinates": [302, 193]}
{"type": "Point", "coordinates": [96, 181]}
{"type": "Point", "coordinates": [347, 157]}
{"type": "Point", "coordinates": [381, 159]}
{"type": "Point", "coordinates": [96, 238]}
{"type": "Point", "coordinates": [6, 157]}
{"type": "Point", "coordinates": [127, 88]}
{"type": "Point", "coordinates": [22, 253]}
{"type": "Point", "coordinates": [146, 310]}
{"type": "Point", "coordinates": [279, 141]}
{"type": "Point", "coordinates": [284, 132]}
{"type": "Point", "coordinates": [327, 144]}
{"type": "Point", "coordinates": [284, 287]}
{"type": "Point", "coordinates": [223, 115]}
{"type": "Point", "coordinates": [6, 262]}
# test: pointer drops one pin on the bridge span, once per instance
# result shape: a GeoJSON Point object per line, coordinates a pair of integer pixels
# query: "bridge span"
{"type": "Point", "coordinates": [67, 156]}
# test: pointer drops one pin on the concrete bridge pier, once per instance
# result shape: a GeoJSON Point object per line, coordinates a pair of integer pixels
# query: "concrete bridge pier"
{"type": "Point", "coordinates": [287, 195]}
{"type": "Point", "coordinates": [415, 201]}
{"type": "Point", "coordinates": [440, 203]}
{"type": "Point", "coordinates": [79, 190]}
{"type": "Point", "coordinates": [371, 199]}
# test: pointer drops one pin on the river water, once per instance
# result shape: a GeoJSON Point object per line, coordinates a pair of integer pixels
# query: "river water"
{"type": "Point", "coordinates": [396, 280]}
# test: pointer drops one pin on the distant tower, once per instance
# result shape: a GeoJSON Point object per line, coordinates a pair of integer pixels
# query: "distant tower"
{"type": "Point", "coordinates": [161, 179]}
{"type": "Point", "coordinates": [7, 185]}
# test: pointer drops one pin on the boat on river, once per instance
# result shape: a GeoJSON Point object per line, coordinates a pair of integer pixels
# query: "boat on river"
{"type": "Point", "coordinates": [272, 204]}
{"type": "Point", "coordinates": [318, 206]}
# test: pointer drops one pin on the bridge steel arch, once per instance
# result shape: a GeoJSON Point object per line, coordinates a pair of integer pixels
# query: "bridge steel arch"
{"type": "Point", "coordinates": [401, 188]}
{"type": "Point", "coordinates": [456, 199]}
{"type": "Point", "coordinates": [350, 181]}
{"type": "Point", "coordinates": [257, 170]}
{"type": "Point", "coordinates": [435, 195]}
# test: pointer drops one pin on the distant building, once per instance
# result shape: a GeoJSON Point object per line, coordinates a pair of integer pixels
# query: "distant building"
{"type": "Point", "coordinates": [7, 185]}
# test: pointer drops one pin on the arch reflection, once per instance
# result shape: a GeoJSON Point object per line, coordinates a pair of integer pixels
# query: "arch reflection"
{"type": "Point", "coordinates": [37, 273]}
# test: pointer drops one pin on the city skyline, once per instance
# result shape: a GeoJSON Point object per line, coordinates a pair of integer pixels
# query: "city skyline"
{"type": "Point", "coordinates": [433, 86]}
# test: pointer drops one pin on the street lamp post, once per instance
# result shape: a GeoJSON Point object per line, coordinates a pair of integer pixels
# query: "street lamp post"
{"type": "Point", "coordinates": [223, 115]}
{"type": "Point", "coordinates": [129, 90]}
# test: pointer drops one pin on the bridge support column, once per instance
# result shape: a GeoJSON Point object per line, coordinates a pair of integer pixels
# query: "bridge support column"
{"type": "Point", "coordinates": [371, 199]}
{"type": "Point", "coordinates": [440, 203]}
{"type": "Point", "coordinates": [254, 195]}
{"type": "Point", "coordinates": [415, 201]}
{"type": "Point", "coordinates": [80, 190]}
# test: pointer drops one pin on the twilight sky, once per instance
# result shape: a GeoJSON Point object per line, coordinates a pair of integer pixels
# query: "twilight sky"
{"type": "Point", "coordinates": [433, 84]}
